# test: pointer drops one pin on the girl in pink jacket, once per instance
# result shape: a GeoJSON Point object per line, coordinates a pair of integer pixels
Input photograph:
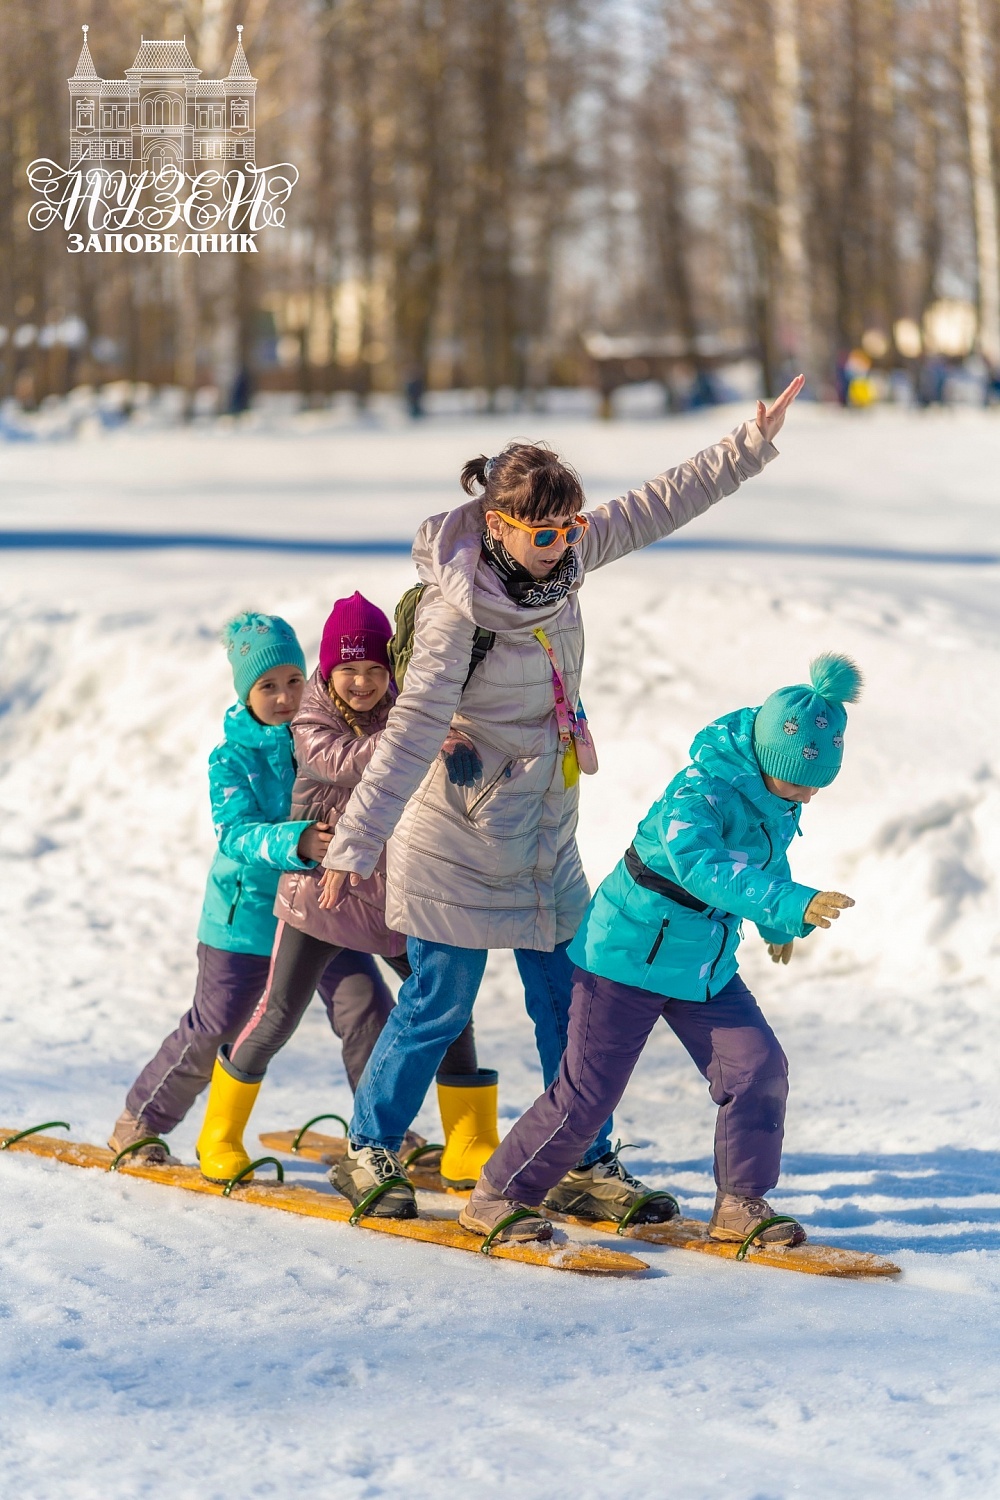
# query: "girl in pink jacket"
{"type": "Point", "coordinates": [335, 731]}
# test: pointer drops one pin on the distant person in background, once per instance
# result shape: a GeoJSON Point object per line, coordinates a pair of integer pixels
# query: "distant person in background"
{"type": "Point", "coordinates": [476, 779]}
{"type": "Point", "coordinates": [250, 781]}
{"type": "Point", "coordinates": [413, 390]}
{"type": "Point", "coordinates": [241, 395]}
{"type": "Point", "coordinates": [932, 378]}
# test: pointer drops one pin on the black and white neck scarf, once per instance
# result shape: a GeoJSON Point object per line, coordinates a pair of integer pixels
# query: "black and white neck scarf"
{"type": "Point", "coordinates": [519, 585]}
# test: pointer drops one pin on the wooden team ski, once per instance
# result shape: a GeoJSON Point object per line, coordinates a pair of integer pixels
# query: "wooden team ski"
{"type": "Point", "coordinates": [588, 1260]}
{"type": "Point", "coordinates": [679, 1234]}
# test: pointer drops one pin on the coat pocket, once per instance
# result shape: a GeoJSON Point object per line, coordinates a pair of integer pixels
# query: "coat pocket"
{"type": "Point", "coordinates": [488, 790]}
{"type": "Point", "coordinates": [236, 901]}
{"type": "Point", "coordinates": [651, 955]}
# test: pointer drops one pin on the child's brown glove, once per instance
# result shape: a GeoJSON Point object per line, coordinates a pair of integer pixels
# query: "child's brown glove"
{"type": "Point", "coordinates": [781, 953]}
{"type": "Point", "coordinates": [825, 907]}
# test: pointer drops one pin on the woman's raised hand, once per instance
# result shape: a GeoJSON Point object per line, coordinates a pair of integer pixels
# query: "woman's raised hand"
{"type": "Point", "coordinates": [770, 419]}
{"type": "Point", "coordinates": [331, 886]}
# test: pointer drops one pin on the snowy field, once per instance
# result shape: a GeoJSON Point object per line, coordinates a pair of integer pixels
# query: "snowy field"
{"type": "Point", "coordinates": [153, 1344]}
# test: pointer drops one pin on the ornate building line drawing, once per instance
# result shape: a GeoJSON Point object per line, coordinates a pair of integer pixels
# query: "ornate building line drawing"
{"type": "Point", "coordinates": [162, 113]}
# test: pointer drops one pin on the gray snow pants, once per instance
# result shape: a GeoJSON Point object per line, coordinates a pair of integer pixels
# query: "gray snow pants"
{"type": "Point", "coordinates": [228, 988]}
{"type": "Point", "coordinates": [297, 964]}
{"type": "Point", "coordinates": [727, 1038]}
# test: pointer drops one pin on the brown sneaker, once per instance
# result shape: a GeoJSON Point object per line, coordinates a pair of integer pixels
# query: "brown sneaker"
{"type": "Point", "coordinates": [428, 1160]}
{"type": "Point", "coordinates": [127, 1131]}
{"type": "Point", "coordinates": [735, 1218]}
{"type": "Point", "coordinates": [605, 1190]}
{"type": "Point", "coordinates": [366, 1168]}
{"type": "Point", "coordinates": [487, 1208]}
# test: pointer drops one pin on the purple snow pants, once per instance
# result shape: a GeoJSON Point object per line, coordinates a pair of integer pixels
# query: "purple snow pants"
{"type": "Point", "coordinates": [727, 1038]}
{"type": "Point", "coordinates": [229, 985]}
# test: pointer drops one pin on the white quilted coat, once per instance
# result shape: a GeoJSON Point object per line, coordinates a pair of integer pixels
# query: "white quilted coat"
{"type": "Point", "coordinates": [496, 865]}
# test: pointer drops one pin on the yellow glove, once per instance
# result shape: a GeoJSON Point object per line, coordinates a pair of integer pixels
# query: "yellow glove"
{"type": "Point", "coordinates": [826, 907]}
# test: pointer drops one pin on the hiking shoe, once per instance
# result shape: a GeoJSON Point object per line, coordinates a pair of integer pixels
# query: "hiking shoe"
{"type": "Point", "coordinates": [127, 1131]}
{"type": "Point", "coordinates": [365, 1168]}
{"type": "Point", "coordinates": [735, 1218]}
{"type": "Point", "coordinates": [429, 1161]}
{"type": "Point", "coordinates": [605, 1190]}
{"type": "Point", "coordinates": [487, 1208]}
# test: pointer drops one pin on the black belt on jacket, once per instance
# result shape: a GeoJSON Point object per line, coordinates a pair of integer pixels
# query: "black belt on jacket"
{"type": "Point", "coordinates": [650, 881]}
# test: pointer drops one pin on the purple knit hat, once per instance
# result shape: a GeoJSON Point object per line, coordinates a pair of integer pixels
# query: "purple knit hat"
{"type": "Point", "coordinates": [356, 631]}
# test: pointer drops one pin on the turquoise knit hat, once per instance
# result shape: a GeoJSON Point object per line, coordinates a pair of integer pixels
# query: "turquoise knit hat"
{"type": "Point", "coordinates": [257, 643]}
{"type": "Point", "coordinates": [798, 734]}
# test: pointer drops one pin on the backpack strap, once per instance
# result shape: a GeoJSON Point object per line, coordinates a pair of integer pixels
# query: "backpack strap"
{"type": "Point", "coordinates": [482, 643]}
{"type": "Point", "coordinates": [401, 645]}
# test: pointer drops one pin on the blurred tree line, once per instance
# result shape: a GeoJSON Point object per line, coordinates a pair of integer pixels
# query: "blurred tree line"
{"type": "Point", "coordinates": [485, 183]}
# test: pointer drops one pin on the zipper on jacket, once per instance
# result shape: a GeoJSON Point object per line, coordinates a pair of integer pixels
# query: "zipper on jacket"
{"type": "Point", "coordinates": [236, 900]}
{"type": "Point", "coordinates": [659, 939]}
{"type": "Point", "coordinates": [503, 771]}
{"type": "Point", "coordinates": [770, 846]}
{"type": "Point", "coordinates": [715, 965]}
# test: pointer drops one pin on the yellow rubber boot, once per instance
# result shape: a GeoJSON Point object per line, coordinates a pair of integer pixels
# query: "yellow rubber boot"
{"type": "Point", "coordinates": [220, 1144]}
{"type": "Point", "coordinates": [468, 1105]}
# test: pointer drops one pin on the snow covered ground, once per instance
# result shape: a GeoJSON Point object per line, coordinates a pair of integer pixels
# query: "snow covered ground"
{"type": "Point", "coordinates": [155, 1345]}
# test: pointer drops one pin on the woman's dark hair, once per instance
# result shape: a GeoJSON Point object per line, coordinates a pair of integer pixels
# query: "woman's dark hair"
{"type": "Point", "coordinates": [527, 480]}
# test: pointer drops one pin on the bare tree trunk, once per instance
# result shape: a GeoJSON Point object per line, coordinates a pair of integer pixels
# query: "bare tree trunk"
{"type": "Point", "coordinates": [418, 257]}
{"type": "Point", "coordinates": [358, 35]}
{"type": "Point", "coordinates": [984, 194]}
{"type": "Point", "coordinates": [186, 331]}
{"type": "Point", "coordinates": [492, 218]}
{"type": "Point", "coordinates": [928, 200]}
{"type": "Point", "coordinates": [794, 322]}
{"type": "Point", "coordinates": [663, 144]}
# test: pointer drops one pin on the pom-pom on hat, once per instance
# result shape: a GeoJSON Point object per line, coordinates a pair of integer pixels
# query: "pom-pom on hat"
{"type": "Point", "coordinates": [256, 644]}
{"type": "Point", "coordinates": [798, 734]}
{"type": "Point", "coordinates": [357, 630]}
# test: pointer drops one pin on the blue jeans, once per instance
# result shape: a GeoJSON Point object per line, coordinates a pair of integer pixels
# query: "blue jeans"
{"type": "Point", "coordinates": [432, 1009]}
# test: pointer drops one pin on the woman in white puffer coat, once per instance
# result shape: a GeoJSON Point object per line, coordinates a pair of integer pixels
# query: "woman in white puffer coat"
{"type": "Point", "coordinates": [471, 784]}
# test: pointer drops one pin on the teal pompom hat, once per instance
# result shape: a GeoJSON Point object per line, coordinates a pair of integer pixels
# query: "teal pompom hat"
{"type": "Point", "coordinates": [255, 644]}
{"type": "Point", "coordinates": [798, 734]}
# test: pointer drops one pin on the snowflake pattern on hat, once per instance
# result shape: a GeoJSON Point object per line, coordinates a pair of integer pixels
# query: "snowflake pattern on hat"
{"type": "Point", "coordinates": [256, 643]}
{"type": "Point", "coordinates": [798, 732]}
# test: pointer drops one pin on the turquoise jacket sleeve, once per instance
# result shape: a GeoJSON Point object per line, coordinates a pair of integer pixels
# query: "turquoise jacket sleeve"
{"type": "Point", "coordinates": [243, 831]}
{"type": "Point", "coordinates": [691, 836]}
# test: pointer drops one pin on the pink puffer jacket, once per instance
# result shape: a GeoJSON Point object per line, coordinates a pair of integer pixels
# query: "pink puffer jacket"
{"type": "Point", "coordinates": [331, 760]}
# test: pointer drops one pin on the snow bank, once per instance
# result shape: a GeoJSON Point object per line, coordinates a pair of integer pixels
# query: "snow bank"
{"type": "Point", "coordinates": [153, 1346]}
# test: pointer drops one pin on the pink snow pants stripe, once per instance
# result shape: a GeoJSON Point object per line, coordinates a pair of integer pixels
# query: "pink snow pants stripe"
{"type": "Point", "coordinates": [261, 1009]}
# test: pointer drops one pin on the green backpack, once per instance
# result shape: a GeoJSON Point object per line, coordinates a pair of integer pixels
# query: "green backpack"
{"type": "Point", "coordinates": [401, 644]}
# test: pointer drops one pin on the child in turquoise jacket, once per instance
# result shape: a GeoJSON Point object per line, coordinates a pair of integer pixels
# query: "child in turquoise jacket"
{"type": "Point", "coordinates": [660, 938]}
{"type": "Point", "coordinates": [250, 775]}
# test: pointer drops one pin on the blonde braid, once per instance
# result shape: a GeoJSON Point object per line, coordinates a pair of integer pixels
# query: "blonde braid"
{"type": "Point", "coordinates": [347, 712]}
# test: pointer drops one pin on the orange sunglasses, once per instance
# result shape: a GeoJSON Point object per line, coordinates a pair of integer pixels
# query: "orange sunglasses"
{"type": "Point", "coordinates": [545, 536]}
